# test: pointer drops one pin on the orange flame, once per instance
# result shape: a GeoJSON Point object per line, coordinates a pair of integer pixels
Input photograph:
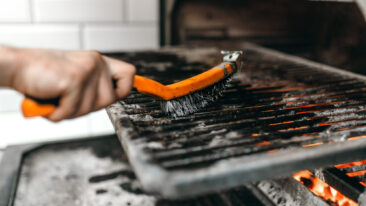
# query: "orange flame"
{"type": "Point", "coordinates": [322, 189]}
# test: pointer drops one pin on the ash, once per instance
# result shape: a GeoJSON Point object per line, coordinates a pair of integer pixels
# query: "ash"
{"type": "Point", "coordinates": [223, 139]}
{"type": "Point", "coordinates": [276, 194]}
{"type": "Point", "coordinates": [76, 177]}
{"type": "Point", "coordinates": [141, 117]}
{"type": "Point", "coordinates": [97, 173]}
{"type": "Point", "coordinates": [289, 192]}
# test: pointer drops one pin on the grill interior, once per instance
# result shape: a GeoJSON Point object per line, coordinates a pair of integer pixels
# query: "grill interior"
{"type": "Point", "coordinates": [277, 103]}
{"type": "Point", "coordinates": [95, 171]}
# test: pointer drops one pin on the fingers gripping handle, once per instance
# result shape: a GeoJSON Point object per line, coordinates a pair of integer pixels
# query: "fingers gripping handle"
{"type": "Point", "coordinates": [34, 107]}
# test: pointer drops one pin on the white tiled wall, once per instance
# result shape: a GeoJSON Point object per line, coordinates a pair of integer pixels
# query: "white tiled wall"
{"type": "Point", "coordinates": [14, 11]}
{"type": "Point", "coordinates": [120, 37]}
{"type": "Point", "coordinates": [104, 25]}
{"type": "Point", "coordinates": [61, 36]}
{"type": "Point", "coordinates": [142, 11]}
{"type": "Point", "coordinates": [78, 11]}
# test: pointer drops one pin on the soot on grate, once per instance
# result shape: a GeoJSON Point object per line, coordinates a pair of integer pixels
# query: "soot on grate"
{"type": "Point", "coordinates": [254, 115]}
{"type": "Point", "coordinates": [281, 114]}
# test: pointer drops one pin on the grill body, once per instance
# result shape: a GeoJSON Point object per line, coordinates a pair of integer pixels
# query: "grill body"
{"type": "Point", "coordinates": [281, 114]}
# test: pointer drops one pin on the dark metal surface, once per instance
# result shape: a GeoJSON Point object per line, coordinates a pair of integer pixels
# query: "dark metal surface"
{"type": "Point", "coordinates": [286, 191]}
{"type": "Point", "coordinates": [92, 171]}
{"type": "Point", "coordinates": [349, 179]}
{"type": "Point", "coordinates": [10, 165]}
{"type": "Point", "coordinates": [338, 179]}
{"type": "Point", "coordinates": [270, 123]}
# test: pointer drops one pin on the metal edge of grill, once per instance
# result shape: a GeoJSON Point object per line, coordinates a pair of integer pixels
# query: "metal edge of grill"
{"type": "Point", "coordinates": [235, 171]}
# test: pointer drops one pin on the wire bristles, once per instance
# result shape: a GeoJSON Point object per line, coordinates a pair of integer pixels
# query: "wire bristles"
{"type": "Point", "coordinates": [195, 101]}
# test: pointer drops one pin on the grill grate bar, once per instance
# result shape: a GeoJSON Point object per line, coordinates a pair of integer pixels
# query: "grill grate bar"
{"type": "Point", "coordinates": [277, 104]}
{"type": "Point", "coordinates": [241, 138]}
{"type": "Point", "coordinates": [243, 141]}
{"type": "Point", "coordinates": [287, 101]}
{"type": "Point", "coordinates": [354, 168]}
{"type": "Point", "coordinates": [279, 110]}
{"type": "Point", "coordinates": [210, 157]}
{"type": "Point", "coordinates": [267, 91]}
{"type": "Point", "coordinates": [202, 136]}
{"type": "Point", "coordinates": [260, 113]}
{"type": "Point", "coordinates": [341, 182]}
{"type": "Point", "coordinates": [253, 118]}
{"type": "Point", "coordinates": [338, 85]}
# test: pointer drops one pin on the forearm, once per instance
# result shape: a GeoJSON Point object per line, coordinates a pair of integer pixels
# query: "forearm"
{"type": "Point", "coordinates": [8, 64]}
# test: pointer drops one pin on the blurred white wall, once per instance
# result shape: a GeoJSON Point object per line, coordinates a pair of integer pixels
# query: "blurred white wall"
{"type": "Point", "coordinates": [104, 25]}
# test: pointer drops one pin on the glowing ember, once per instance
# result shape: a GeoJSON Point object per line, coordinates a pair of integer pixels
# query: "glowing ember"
{"type": "Point", "coordinates": [310, 111]}
{"type": "Point", "coordinates": [322, 189]}
{"type": "Point", "coordinates": [295, 128]}
{"type": "Point", "coordinates": [313, 144]}
{"type": "Point", "coordinates": [358, 173]}
{"type": "Point", "coordinates": [263, 143]}
{"type": "Point", "coordinates": [358, 137]}
{"type": "Point", "coordinates": [352, 164]}
{"type": "Point", "coordinates": [281, 123]}
{"type": "Point", "coordinates": [272, 150]}
{"type": "Point", "coordinates": [325, 124]}
{"type": "Point", "coordinates": [305, 106]}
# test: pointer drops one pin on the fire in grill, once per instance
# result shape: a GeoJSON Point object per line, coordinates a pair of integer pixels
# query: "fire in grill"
{"type": "Point", "coordinates": [269, 123]}
{"type": "Point", "coordinates": [280, 115]}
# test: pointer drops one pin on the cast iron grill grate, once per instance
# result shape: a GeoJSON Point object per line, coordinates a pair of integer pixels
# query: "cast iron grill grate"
{"type": "Point", "coordinates": [280, 113]}
{"type": "Point", "coordinates": [348, 178]}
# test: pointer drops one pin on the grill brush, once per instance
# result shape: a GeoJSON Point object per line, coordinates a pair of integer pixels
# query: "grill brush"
{"type": "Point", "coordinates": [178, 99]}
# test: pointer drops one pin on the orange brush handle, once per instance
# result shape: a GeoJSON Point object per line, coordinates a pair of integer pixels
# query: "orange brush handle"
{"type": "Point", "coordinates": [32, 107]}
{"type": "Point", "coordinates": [185, 87]}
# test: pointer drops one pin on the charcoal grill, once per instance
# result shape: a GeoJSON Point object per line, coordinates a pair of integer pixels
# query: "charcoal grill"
{"type": "Point", "coordinates": [91, 171]}
{"type": "Point", "coordinates": [281, 114]}
{"type": "Point", "coordinates": [95, 171]}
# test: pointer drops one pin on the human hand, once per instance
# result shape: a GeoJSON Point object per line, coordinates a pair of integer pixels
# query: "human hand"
{"type": "Point", "coordinates": [81, 79]}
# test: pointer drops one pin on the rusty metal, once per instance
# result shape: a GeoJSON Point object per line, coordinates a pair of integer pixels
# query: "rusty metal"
{"type": "Point", "coordinates": [281, 114]}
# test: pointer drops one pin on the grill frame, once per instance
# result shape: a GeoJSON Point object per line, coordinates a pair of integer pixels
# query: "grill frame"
{"type": "Point", "coordinates": [235, 171]}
